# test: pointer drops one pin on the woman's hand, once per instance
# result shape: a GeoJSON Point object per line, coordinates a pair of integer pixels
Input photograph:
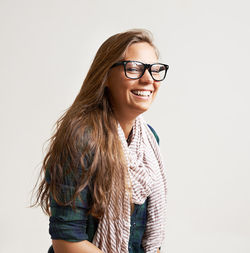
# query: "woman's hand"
{"type": "Point", "coordinates": [61, 246]}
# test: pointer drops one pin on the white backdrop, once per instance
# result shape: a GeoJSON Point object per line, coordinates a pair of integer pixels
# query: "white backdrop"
{"type": "Point", "coordinates": [201, 112]}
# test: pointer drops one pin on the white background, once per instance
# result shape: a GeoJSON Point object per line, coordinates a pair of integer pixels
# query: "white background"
{"type": "Point", "coordinates": [201, 112]}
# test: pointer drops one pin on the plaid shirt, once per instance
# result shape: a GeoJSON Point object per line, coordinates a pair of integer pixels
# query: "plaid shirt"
{"type": "Point", "coordinates": [77, 225]}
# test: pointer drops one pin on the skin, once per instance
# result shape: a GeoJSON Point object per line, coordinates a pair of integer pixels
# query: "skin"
{"type": "Point", "coordinates": [127, 107]}
{"type": "Point", "coordinates": [61, 246]}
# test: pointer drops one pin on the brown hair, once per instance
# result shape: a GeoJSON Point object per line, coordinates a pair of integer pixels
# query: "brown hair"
{"type": "Point", "coordinates": [85, 148]}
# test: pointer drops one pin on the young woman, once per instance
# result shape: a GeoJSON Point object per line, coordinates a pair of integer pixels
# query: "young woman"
{"type": "Point", "coordinates": [104, 183]}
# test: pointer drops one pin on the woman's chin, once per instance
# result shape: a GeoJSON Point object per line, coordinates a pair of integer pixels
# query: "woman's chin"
{"type": "Point", "coordinates": [140, 108]}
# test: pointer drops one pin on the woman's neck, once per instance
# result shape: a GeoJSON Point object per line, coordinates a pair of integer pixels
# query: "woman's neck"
{"type": "Point", "coordinates": [126, 126]}
{"type": "Point", "coordinates": [126, 121]}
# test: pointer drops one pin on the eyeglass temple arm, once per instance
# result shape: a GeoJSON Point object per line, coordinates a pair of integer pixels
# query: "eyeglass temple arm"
{"type": "Point", "coordinates": [117, 64]}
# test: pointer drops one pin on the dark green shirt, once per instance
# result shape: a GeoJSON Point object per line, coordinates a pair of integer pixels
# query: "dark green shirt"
{"type": "Point", "coordinates": [77, 225]}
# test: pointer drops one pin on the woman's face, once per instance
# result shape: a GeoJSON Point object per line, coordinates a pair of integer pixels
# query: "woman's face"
{"type": "Point", "coordinates": [123, 92]}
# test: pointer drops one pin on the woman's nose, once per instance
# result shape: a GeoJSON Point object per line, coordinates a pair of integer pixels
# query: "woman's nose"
{"type": "Point", "coordinates": [146, 78]}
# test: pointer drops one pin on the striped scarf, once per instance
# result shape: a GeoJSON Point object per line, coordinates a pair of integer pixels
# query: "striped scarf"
{"type": "Point", "coordinates": [147, 180]}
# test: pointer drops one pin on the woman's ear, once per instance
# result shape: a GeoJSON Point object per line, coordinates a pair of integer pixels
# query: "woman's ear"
{"type": "Point", "coordinates": [106, 85]}
{"type": "Point", "coordinates": [106, 82]}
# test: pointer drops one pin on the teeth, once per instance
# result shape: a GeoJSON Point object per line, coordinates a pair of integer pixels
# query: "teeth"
{"type": "Point", "coordinates": [142, 93]}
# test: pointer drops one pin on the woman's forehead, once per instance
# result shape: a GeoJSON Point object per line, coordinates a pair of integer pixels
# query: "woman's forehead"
{"type": "Point", "coordinates": [141, 51]}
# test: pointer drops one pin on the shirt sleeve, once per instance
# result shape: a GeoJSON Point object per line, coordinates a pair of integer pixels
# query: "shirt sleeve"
{"type": "Point", "coordinates": [67, 223]}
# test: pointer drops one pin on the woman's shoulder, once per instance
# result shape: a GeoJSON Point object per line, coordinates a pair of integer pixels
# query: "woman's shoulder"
{"type": "Point", "coordinates": [155, 134]}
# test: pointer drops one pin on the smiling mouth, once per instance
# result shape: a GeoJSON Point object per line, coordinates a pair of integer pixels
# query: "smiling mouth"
{"type": "Point", "coordinates": [142, 93]}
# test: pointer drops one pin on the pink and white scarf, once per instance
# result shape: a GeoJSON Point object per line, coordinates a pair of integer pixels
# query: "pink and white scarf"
{"type": "Point", "coordinates": [146, 175]}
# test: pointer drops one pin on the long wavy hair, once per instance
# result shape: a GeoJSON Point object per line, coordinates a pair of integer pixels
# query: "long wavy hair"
{"type": "Point", "coordinates": [85, 149]}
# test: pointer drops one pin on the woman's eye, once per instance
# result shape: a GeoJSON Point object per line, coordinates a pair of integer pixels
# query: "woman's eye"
{"type": "Point", "coordinates": [155, 70]}
{"type": "Point", "coordinates": [133, 69]}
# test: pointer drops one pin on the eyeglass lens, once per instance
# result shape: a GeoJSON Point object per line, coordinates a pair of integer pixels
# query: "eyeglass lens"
{"type": "Point", "coordinates": [135, 70]}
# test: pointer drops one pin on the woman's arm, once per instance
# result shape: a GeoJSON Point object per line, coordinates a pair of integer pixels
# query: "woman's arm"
{"type": "Point", "coordinates": [61, 246]}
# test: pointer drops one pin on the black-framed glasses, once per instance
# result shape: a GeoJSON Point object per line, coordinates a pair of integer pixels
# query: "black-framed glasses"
{"type": "Point", "coordinates": [136, 69]}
